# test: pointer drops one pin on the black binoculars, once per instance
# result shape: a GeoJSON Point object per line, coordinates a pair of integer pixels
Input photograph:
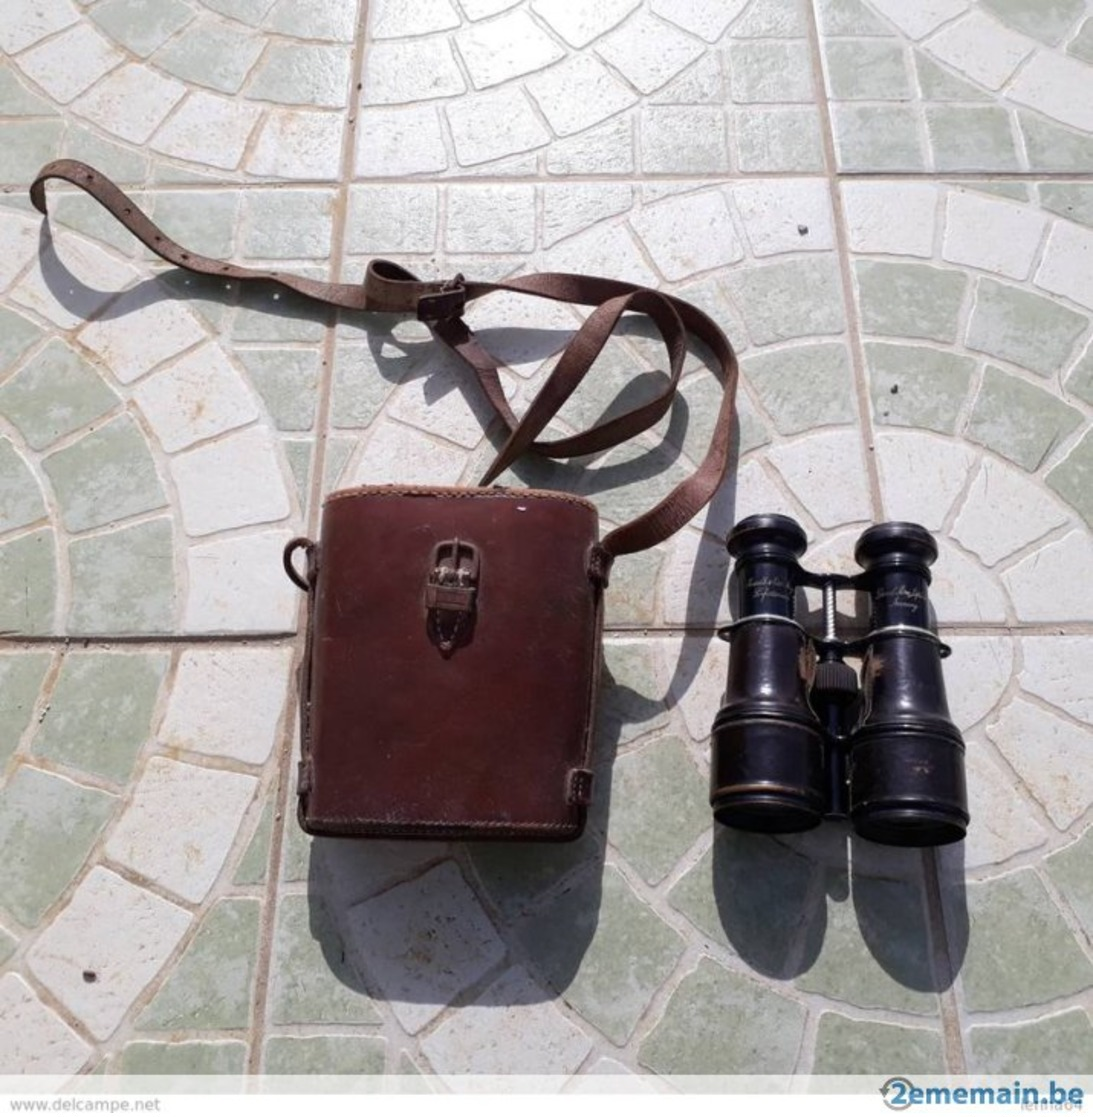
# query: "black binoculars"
{"type": "Point", "coordinates": [798, 740]}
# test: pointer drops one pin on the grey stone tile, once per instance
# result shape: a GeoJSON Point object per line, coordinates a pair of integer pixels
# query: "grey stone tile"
{"type": "Point", "coordinates": [658, 806]}
{"type": "Point", "coordinates": [613, 956]}
{"type": "Point", "coordinates": [1030, 330]}
{"type": "Point", "coordinates": [910, 300]}
{"type": "Point", "coordinates": [755, 896]}
{"type": "Point", "coordinates": [1072, 200]}
{"type": "Point", "coordinates": [423, 943]}
{"type": "Point", "coordinates": [123, 581]}
{"type": "Point", "coordinates": [867, 70]}
{"type": "Point", "coordinates": [939, 84]}
{"type": "Point", "coordinates": [778, 138]}
{"type": "Point", "coordinates": [1052, 146]}
{"type": "Point", "coordinates": [1068, 870]}
{"type": "Point", "coordinates": [210, 986]}
{"type": "Point", "coordinates": [1048, 21]}
{"type": "Point", "coordinates": [999, 970]}
{"type": "Point", "coordinates": [876, 951]}
{"type": "Point", "coordinates": [917, 385]}
{"type": "Point", "coordinates": [805, 387]}
{"type": "Point", "coordinates": [140, 27]}
{"type": "Point", "coordinates": [845, 1046]}
{"type": "Point", "coordinates": [327, 1054]}
{"type": "Point", "coordinates": [108, 475]}
{"type": "Point", "coordinates": [100, 711]}
{"type": "Point", "coordinates": [288, 381]}
{"type": "Point", "coordinates": [1081, 46]}
{"type": "Point", "coordinates": [21, 678]}
{"type": "Point", "coordinates": [253, 867]}
{"type": "Point", "coordinates": [1019, 420]}
{"type": "Point", "coordinates": [313, 982]}
{"type": "Point", "coordinates": [877, 138]}
{"type": "Point", "coordinates": [28, 584]}
{"type": "Point", "coordinates": [718, 1022]}
{"type": "Point", "coordinates": [57, 392]}
{"type": "Point", "coordinates": [1060, 1043]}
{"type": "Point", "coordinates": [971, 138]}
{"type": "Point", "coordinates": [222, 1057]}
{"type": "Point", "coordinates": [47, 825]}
{"type": "Point", "coordinates": [789, 299]}
{"type": "Point", "coordinates": [1072, 478]}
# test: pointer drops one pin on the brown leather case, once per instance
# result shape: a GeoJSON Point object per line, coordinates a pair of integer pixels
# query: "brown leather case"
{"type": "Point", "coordinates": [453, 665]}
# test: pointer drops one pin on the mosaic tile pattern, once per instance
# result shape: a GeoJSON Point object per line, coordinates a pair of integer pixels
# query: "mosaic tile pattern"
{"type": "Point", "coordinates": [914, 344]}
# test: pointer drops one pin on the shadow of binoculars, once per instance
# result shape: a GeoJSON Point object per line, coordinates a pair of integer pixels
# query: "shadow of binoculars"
{"type": "Point", "coordinates": [799, 738]}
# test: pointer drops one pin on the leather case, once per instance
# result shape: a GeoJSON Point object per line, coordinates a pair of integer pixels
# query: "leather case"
{"type": "Point", "coordinates": [450, 683]}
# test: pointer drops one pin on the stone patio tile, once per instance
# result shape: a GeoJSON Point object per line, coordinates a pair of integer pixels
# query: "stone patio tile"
{"type": "Point", "coordinates": [35, 1040]}
{"type": "Point", "coordinates": [210, 987]}
{"type": "Point", "coordinates": [1002, 914]}
{"type": "Point", "coordinates": [629, 951]}
{"type": "Point", "coordinates": [720, 1022]}
{"type": "Point", "coordinates": [658, 806]}
{"type": "Point", "coordinates": [1019, 420]}
{"type": "Point", "coordinates": [423, 943]}
{"type": "Point", "coordinates": [21, 677]}
{"type": "Point", "coordinates": [326, 1054]}
{"type": "Point", "coordinates": [846, 1046]}
{"type": "Point", "coordinates": [100, 711]}
{"type": "Point", "coordinates": [909, 300]}
{"type": "Point", "coordinates": [227, 702]}
{"type": "Point", "coordinates": [1072, 476]}
{"type": "Point", "coordinates": [48, 825]}
{"type": "Point", "coordinates": [993, 537]}
{"type": "Point", "coordinates": [1028, 330]}
{"type": "Point", "coordinates": [751, 894]}
{"type": "Point", "coordinates": [227, 1057]}
{"type": "Point", "coordinates": [512, 1028]}
{"type": "Point", "coordinates": [1067, 871]}
{"type": "Point", "coordinates": [312, 982]}
{"type": "Point", "coordinates": [202, 809]}
{"type": "Point", "coordinates": [104, 948]}
{"type": "Point", "coordinates": [1033, 583]}
{"type": "Point", "coordinates": [874, 951]}
{"type": "Point", "coordinates": [1060, 1042]}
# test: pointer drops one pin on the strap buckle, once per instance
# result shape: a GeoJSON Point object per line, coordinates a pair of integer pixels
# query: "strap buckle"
{"type": "Point", "coordinates": [451, 591]}
{"type": "Point", "coordinates": [449, 302]}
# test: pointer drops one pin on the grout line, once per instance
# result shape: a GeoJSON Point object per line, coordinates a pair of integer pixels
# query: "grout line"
{"type": "Point", "coordinates": [282, 816]}
{"type": "Point", "coordinates": [956, 1061]}
{"type": "Point", "coordinates": [853, 324]}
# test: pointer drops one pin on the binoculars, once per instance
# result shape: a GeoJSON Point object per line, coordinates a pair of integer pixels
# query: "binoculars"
{"type": "Point", "coordinates": [798, 740]}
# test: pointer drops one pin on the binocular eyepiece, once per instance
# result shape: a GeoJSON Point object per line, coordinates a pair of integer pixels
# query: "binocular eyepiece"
{"type": "Point", "coordinates": [798, 740]}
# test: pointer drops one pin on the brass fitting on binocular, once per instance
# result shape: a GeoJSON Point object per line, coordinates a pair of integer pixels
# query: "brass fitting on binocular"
{"type": "Point", "coordinates": [798, 740]}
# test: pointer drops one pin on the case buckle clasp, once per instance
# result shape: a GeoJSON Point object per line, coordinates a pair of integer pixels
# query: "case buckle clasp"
{"type": "Point", "coordinates": [451, 592]}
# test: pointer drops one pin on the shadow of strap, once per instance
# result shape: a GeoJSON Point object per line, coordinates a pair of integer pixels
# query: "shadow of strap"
{"type": "Point", "coordinates": [391, 288]}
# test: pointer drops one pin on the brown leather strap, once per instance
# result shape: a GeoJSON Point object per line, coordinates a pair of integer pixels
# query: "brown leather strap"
{"type": "Point", "coordinates": [390, 288]}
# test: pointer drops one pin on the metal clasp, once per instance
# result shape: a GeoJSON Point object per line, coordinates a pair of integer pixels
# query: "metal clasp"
{"type": "Point", "coordinates": [451, 592]}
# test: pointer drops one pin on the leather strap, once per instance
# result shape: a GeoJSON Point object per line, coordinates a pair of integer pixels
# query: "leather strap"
{"type": "Point", "coordinates": [390, 288]}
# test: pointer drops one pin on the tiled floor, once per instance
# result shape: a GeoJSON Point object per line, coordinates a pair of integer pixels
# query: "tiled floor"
{"type": "Point", "coordinates": [889, 207]}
